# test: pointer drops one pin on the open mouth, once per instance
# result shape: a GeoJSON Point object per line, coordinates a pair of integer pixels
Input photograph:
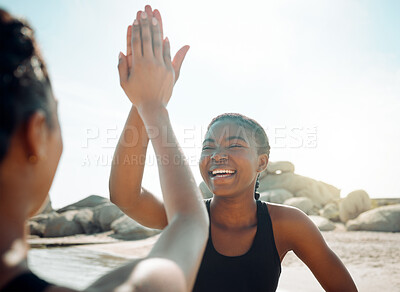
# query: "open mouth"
{"type": "Point", "coordinates": [222, 173]}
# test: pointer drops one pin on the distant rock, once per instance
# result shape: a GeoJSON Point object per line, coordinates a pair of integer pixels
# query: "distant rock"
{"type": "Point", "coordinates": [319, 192]}
{"type": "Point", "coordinates": [36, 228]}
{"type": "Point", "coordinates": [330, 211]}
{"type": "Point", "coordinates": [88, 202]}
{"type": "Point", "coordinates": [279, 167]}
{"type": "Point", "coordinates": [322, 223]}
{"type": "Point", "coordinates": [385, 219]}
{"type": "Point", "coordinates": [127, 228]}
{"type": "Point", "coordinates": [277, 196]}
{"type": "Point", "coordinates": [37, 224]}
{"type": "Point", "coordinates": [353, 205]}
{"type": "Point", "coordinates": [304, 204]}
{"type": "Point", "coordinates": [63, 225]}
{"type": "Point", "coordinates": [85, 218]}
{"type": "Point", "coordinates": [104, 215]}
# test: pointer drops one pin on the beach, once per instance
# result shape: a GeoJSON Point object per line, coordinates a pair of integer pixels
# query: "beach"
{"type": "Point", "coordinates": [373, 259]}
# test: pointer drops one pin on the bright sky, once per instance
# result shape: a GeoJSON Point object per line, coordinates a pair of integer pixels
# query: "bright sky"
{"type": "Point", "coordinates": [322, 77]}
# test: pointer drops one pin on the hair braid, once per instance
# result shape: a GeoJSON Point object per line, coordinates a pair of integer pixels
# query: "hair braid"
{"type": "Point", "coordinates": [257, 194]}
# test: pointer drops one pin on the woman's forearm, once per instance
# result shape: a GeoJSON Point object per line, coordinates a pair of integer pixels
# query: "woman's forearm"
{"type": "Point", "coordinates": [128, 162]}
{"type": "Point", "coordinates": [180, 192]}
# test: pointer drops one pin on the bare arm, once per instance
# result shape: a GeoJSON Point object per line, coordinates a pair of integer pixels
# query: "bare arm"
{"type": "Point", "coordinates": [306, 241]}
{"type": "Point", "coordinates": [125, 184]}
{"type": "Point", "coordinates": [180, 247]}
{"type": "Point", "coordinates": [126, 176]}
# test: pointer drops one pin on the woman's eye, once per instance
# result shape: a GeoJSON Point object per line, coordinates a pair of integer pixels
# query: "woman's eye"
{"type": "Point", "coordinates": [234, 145]}
{"type": "Point", "coordinates": [207, 147]}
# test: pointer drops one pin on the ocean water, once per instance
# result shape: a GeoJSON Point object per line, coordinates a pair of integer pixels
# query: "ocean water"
{"type": "Point", "coordinates": [73, 267]}
{"type": "Point", "coordinates": [77, 268]}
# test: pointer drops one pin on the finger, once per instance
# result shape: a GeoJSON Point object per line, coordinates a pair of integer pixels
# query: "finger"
{"type": "Point", "coordinates": [136, 43]}
{"type": "Point", "coordinates": [129, 46]}
{"type": "Point", "coordinates": [167, 54]}
{"type": "Point", "coordinates": [146, 36]}
{"type": "Point", "coordinates": [157, 43]}
{"type": "Point", "coordinates": [138, 19]}
{"type": "Point", "coordinates": [157, 15]}
{"type": "Point", "coordinates": [178, 60]}
{"type": "Point", "coordinates": [122, 68]}
{"type": "Point", "coordinates": [149, 12]}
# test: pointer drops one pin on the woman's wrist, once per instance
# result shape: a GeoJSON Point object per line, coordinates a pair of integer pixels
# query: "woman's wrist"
{"type": "Point", "coordinates": [153, 114]}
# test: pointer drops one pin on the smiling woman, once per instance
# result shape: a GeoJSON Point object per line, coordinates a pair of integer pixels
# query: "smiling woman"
{"type": "Point", "coordinates": [248, 238]}
{"type": "Point", "coordinates": [241, 140]}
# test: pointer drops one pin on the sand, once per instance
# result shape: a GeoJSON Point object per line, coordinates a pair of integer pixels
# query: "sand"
{"type": "Point", "coordinates": [373, 258]}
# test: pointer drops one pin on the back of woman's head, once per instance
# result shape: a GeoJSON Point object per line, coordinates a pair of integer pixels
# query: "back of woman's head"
{"type": "Point", "coordinates": [256, 131]}
{"type": "Point", "coordinates": [24, 82]}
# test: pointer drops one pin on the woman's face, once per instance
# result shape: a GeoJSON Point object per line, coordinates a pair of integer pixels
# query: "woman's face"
{"type": "Point", "coordinates": [229, 159]}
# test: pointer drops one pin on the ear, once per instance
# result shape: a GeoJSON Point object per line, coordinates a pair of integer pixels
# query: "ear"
{"type": "Point", "coordinates": [262, 162]}
{"type": "Point", "coordinates": [36, 134]}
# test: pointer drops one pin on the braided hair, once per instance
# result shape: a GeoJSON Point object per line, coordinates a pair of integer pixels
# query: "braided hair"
{"type": "Point", "coordinates": [258, 132]}
{"type": "Point", "coordinates": [24, 83]}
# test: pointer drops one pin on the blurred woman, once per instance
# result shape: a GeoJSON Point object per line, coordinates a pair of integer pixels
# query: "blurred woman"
{"type": "Point", "coordinates": [31, 146]}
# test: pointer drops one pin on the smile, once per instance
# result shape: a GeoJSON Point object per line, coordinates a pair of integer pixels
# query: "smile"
{"type": "Point", "coordinates": [221, 172]}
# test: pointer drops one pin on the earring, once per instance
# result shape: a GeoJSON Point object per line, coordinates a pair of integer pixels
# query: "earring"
{"type": "Point", "coordinates": [32, 159]}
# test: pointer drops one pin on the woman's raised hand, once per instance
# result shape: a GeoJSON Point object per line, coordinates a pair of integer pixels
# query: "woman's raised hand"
{"type": "Point", "coordinates": [147, 68]}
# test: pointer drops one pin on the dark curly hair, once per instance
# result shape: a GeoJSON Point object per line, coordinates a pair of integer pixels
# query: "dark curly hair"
{"type": "Point", "coordinates": [24, 81]}
{"type": "Point", "coordinates": [257, 131]}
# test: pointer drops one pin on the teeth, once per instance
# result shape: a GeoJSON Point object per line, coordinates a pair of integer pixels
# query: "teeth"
{"type": "Point", "coordinates": [218, 171]}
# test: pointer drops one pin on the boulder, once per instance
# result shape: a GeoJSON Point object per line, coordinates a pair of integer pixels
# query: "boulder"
{"type": "Point", "coordinates": [85, 218]}
{"type": "Point", "coordinates": [205, 190]}
{"type": "Point", "coordinates": [330, 211]}
{"type": "Point", "coordinates": [353, 205]}
{"type": "Point", "coordinates": [319, 192]}
{"type": "Point", "coordinates": [127, 228]}
{"type": "Point", "coordinates": [63, 225]}
{"type": "Point", "coordinates": [322, 223]}
{"type": "Point", "coordinates": [304, 204]}
{"type": "Point", "coordinates": [277, 196]}
{"type": "Point", "coordinates": [44, 218]}
{"type": "Point", "coordinates": [104, 215]}
{"type": "Point", "coordinates": [279, 167]}
{"type": "Point", "coordinates": [385, 218]}
{"type": "Point", "coordinates": [88, 202]}
{"type": "Point", "coordinates": [37, 224]}
{"type": "Point", "coordinates": [36, 228]}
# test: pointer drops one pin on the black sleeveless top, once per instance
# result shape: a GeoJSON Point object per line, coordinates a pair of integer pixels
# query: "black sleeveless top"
{"type": "Point", "coordinates": [255, 271]}
{"type": "Point", "coordinates": [26, 282]}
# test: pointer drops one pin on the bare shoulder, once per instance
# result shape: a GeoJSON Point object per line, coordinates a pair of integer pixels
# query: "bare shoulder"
{"type": "Point", "coordinates": [282, 214]}
{"type": "Point", "coordinates": [158, 274]}
{"type": "Point", "coordinates": [292, 227]}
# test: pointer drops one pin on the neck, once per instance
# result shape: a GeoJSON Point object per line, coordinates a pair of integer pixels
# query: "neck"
{"type": "Point", "coordinates": [234, 212]}
{"type": "Point", "coordinates": [13, 246]}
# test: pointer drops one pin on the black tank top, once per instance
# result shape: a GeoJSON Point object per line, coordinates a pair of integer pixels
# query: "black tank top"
{"type": "Point", "coordinates": [26, 282]}
{"type": "Point", "coordinates": [256, 270]}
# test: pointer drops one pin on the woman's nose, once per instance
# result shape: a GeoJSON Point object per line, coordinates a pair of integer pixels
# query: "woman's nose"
{"type": "Point", "coordinates": [218, 156]}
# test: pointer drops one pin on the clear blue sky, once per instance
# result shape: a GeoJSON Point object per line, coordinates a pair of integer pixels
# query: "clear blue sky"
{"type": "Point", "coordinates": [323, 78]}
